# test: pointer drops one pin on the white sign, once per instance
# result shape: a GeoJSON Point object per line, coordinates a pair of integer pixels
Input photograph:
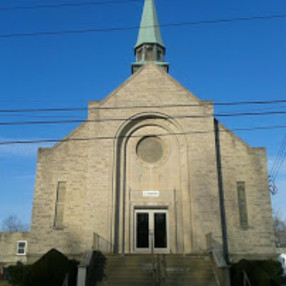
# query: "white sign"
{"type": "Point", "coordinates": [153, 194]}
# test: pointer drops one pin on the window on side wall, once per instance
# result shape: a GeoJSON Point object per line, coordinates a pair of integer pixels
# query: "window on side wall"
{"type": "Point", "coordinates": [60, 205]}
{"type": "Point", "coordinates": [21, 247]}
{"type": "Point", "coordinates": [242, 205]}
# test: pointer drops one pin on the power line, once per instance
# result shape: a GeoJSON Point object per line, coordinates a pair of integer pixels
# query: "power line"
{"type": "Point", "coordinates": [134, 120]}
{"type": "Point", "coordinates": [279, 159]}
{"type": "Point", "coordinates": [137, 136]}
{"type": "Point", "coordinates": [41, 116]}
{"type": "Point", "coordinates": [76, 116]}
{"type": "Point", "coordinates": [114, 29]}
{"type": "Point", "coordinates": [281, 155]}
{"type": "Point", "coordinates": [249, 113]}
{"type": "Point", "coordinates": [234, 103]}
{"type": "Point", "coordinates": [62, 5]}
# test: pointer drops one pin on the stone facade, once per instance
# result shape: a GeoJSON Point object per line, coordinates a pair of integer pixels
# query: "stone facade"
{"type": "Point", "coordinates": [106, 175]}
{"type": "Point", "coordinates": [9, 248]}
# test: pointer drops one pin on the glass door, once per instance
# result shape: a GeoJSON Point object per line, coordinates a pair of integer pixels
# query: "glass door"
{"type": "Point", "coordinates": [151, 230]}
{"type": "Point", "coordinates": [142, 230]}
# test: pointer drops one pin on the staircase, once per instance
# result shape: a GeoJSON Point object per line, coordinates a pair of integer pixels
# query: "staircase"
{"type": "Point", "coordinates": [149, 270]}
{"type": "Point", "coordinates": [189, 270]}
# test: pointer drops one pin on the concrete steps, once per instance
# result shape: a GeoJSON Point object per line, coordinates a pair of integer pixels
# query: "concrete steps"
{"type": "Point", "coordinates": [170, 270]}
{"type": "Point", "coordinates": [127, 270]}
{"type": "Point", "coordinates": [189, 270]}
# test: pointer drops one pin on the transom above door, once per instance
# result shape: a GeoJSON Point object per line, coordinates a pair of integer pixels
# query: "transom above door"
{"type": "Point", "coordinates": [151, 230]}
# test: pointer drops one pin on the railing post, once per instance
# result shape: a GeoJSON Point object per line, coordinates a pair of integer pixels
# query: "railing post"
{"type": "Point", "coordinates": [152, 241]}
{"type": "Point", "coordinates": [209, 242]}
{"type": "Point", "coordinates": [95, 242]}
{"type": "Point", "coordinates": [153, 257]}
{"type": "Point", "coordinates": [220, 266]}
{"type": "Point", "coordinates": [81, 276]}
{"type": "Point", "coordinates": [82, 269]}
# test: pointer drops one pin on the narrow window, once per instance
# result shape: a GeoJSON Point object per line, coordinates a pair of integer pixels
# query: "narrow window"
{"type": "Point", "coordinates": [21, 247]}
{"type": "Point", "coordinates": [242, 204]}
{"type": "Point", "coordinates": [139, 56]}
{"type": "Point", "coordinates": [149, 54]}
{"type": "Point", "coordinates": [159, 56]}
{"type": "Point", "coordinates": [60, 203]}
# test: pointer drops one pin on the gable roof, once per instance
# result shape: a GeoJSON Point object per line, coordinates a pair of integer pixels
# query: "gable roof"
{"type": "Point", "coordinates": [152, 78]}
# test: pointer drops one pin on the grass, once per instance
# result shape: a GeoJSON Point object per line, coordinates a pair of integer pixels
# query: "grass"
{"type": "Point", "coordinates": [4, 283]}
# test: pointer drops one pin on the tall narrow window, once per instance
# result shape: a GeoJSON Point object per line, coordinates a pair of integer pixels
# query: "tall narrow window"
{"type": "Point", "coordinates": [60, 203]}
{"type": "Point", "coordinates": [242, 204]}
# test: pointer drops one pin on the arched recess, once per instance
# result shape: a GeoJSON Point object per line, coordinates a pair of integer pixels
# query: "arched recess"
{"type": "Point", "coordinates": [177, 194]}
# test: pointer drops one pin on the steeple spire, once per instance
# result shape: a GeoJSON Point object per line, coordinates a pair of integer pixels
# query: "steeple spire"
{"type": "Point", "coordinates": [149, 46]}
{"type": "Point", "coordinates": [149, 28]}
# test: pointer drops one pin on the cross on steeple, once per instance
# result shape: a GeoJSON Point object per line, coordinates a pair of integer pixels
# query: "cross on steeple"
{"type": "Point", "coordinates": [149, 46]}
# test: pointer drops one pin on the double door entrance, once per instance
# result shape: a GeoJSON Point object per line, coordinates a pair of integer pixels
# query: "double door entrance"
{"type": "Point", "coordinates": [151, 230]}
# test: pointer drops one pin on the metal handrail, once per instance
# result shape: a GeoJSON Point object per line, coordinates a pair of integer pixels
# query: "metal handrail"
{"type": "Point", "coordinates": [246, 281]}
{"type": "Point", "coordinates": [209, 241]}
{"type": "Point", "coordinates": [101, 244]}
{"type": "Point", "coordinates": [159, 264]}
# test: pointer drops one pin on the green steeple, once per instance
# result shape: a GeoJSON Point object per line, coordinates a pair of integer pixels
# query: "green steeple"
{"type": "Point", "coordinates": [149, 28]}
{"type": "Point", "coordinates": [149, 46]}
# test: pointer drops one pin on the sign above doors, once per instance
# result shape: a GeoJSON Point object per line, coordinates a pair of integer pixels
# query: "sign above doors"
{"type": "Point", "coordinates": [153, 194]}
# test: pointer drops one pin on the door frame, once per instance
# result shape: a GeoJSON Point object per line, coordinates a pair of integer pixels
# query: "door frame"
{"type": "Point", "coordinates": [151, 211]}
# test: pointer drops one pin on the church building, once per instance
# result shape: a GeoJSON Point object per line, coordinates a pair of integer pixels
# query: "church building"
{"type": "Point", "coordinates": [152, 171]}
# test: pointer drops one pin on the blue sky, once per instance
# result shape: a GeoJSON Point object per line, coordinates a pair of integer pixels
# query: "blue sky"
{"type": "Point", "coordinates": [239, 61]}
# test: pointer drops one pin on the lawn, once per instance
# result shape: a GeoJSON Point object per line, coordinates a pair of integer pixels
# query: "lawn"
{"type": "Point", "coordinates": [4, 283]}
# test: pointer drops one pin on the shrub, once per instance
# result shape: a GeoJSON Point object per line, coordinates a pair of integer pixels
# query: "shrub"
{"type": "Point", "coordinates": [95, 272]}
{"type": "Point", "coordinates": [17, 274]}
{"type": "Point", "coordinates": [260, 273]}
{"type": "Point", "coordinates": [50, 269]}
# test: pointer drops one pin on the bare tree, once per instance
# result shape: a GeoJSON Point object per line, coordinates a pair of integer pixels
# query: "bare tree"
{"type": "Point", "coordinates": [13, 223]}
{"type": "Point", "coordinates": [279, 230]}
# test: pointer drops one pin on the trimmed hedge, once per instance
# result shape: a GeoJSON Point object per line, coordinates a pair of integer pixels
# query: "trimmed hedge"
{"type": "Point", "coordinates": [95, 272]}
{"type": "Point", "coordinates": [260, 273]}
{"type": "Point", "coordinates": [17, 274]}
{"type": "Point", "coordinates": [50, 269]}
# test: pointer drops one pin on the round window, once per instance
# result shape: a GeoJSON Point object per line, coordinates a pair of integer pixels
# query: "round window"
{"type": "Point", "coordinates": [150, 149]}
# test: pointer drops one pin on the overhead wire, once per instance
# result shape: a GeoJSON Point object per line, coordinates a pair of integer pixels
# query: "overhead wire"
{"type": "Point", "coordinates": [68, 121]}
{"type": "Point", "coordinates": [62, 5]}
{"type": "Point", "coordinates": [283, 156]}
{"type": "Point", "coordinates": [266, 108]}
{"type": "Point", "coordinates": [41, 116]}
{"type": "Point", "coordinates": [279, 159]}
{"type": "Point", "coordinates": [114, 29]}
{"type": "Point", "coordinates": [138, 136]}
{"type": "Point", "coordinates": [234, 103]}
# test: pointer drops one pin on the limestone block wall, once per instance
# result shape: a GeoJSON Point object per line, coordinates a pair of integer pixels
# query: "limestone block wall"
{"type": "Point", "coordinates": [65, 162]}
{"type": "Point", "coordinates": [203, 182]}
{"type": "Point", "coordinates": [241, 163]}
{"type": "Point", "coordinates": [153, 87]}
{"type": "Point", "coordinates": [8, 247]}
{"type": "Point", "coordinates": [97, 201]}
{"type": "Point", "coordinates": [93, 172]}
